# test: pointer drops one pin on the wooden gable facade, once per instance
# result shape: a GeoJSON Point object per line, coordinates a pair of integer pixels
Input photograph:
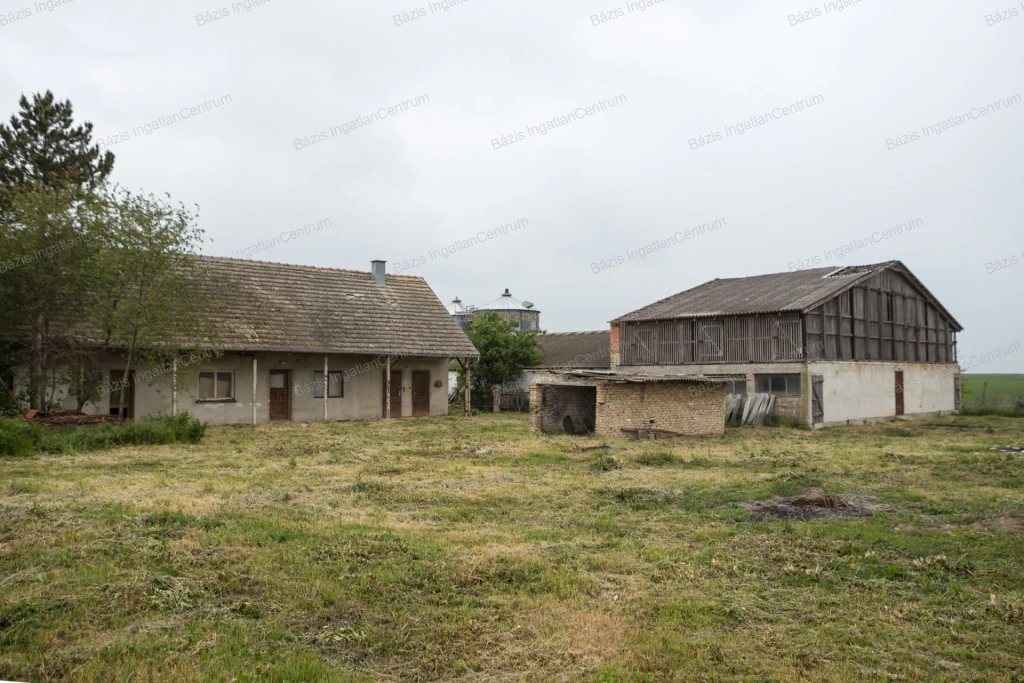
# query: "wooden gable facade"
{"type": "Point", "coordinates": [887, 316]}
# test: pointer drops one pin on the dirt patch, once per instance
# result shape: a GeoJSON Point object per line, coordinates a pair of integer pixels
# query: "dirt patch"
{"type": "Point", "coordinates": [813, 504]}
{"type": "Point", "coordinates": [1002, 523]}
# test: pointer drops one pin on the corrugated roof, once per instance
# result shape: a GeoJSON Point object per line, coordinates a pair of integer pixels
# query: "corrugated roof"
{"type": "Point", "coordinates": [590, 350]}
{"type": "Point", "coordinates": [266, 306]}
{"type": "Point", "coordinates": [639, 378]}
{"type": "Point", "coordinates": [775, 293]}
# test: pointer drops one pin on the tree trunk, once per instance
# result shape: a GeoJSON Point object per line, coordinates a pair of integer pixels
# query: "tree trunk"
{"type": "Point", "coordinates": [87, 389]}
{"type": "Point", "coordinates": [38, 372]}
{"type": "Point", "coordinates": [123, 413]}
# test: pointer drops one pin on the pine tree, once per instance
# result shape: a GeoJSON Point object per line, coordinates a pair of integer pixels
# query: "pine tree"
{"type": "Point", "coordinates": [43, 146]}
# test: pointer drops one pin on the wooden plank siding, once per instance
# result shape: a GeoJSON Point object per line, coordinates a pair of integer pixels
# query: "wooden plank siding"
{"type": "Point", "coordinates": [735, 339]}
{"type": "Point", "coordinates": [884, 318]}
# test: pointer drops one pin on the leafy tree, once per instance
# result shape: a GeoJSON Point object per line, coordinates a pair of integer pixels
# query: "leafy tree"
{"type": "Point", "coordinates": [49, 241]}
{"type": "Point", "coordinates": [88, 275]}
{"type": "Point", "coordinates": [504, 351]}
{"type": "Point", "coordinates": [43, 146]}
{"type": "Point", "coordinates": [155, 296]}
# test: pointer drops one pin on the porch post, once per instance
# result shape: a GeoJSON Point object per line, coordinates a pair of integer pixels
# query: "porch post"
{"type": "Point", "coordinates": [469, 410]}
{"type": "Point", "coordinates": [255, 376]}
{"type": "Point", "coordinates": [387, 390]}
{"type": "Point", "coordinates": [174, 385]}
{"type": "Point", "coordinates": [326, 384]}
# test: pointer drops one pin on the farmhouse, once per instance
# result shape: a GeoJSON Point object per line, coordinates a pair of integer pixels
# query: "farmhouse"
{"type": "Point", "coordinates": [383, 343]}
{"type": "Point", "coordinates": [835, 346]}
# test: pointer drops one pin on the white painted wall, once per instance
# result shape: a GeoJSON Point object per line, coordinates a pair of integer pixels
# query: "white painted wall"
{"type": "Point", "coordinates": [364, 387]}
{"type": "Point", "coordinates": [857, 392]}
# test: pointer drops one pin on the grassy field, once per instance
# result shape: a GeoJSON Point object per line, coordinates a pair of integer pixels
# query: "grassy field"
{"type": "Point", "coordinates": [1003, 390]}
{"type": "Point", "coordinates": [456, 549]}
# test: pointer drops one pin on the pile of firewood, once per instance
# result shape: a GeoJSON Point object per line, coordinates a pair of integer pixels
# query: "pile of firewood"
{"type": "Point", "coordinates": [67, 417]}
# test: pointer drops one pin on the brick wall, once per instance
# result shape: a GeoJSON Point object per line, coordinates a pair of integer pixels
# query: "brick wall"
{"type": "Point", "coordinates": [683, 407]}
{"type": "Point", "coordinates": [551, 403]}
{"type": "Point", "coordinates": [613, 339]}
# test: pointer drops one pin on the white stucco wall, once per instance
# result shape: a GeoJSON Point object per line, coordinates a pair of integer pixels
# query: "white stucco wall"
{"type": "Point", "coordinates": [856, 392]}
{"type": "Point", "coordinates": [364, 387]}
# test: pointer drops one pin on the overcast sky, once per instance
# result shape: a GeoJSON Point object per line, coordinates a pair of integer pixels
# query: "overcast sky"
{"type": "Point", "coordinates": [596, 189]}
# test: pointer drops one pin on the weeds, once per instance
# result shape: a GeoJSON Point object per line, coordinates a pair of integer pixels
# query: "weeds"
{"type": "Point", "coordinates": [457, 549]}
{"type": "Point", "coordinates": [25, 438]}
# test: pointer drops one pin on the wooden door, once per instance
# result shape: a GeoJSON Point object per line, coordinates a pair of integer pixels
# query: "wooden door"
{"type": "Point", "coordinates": [900, 403]}
{"type": "Point", "coordinates": [420, 393]}
{"type": "Point", "coordinates": [396, 393]}
{"type": "Point", "coordinates": [126, 410]}
{"type": "Point", "coordinates": [818, 399]}
{"type": "Point", "coordinates": [280, 395]}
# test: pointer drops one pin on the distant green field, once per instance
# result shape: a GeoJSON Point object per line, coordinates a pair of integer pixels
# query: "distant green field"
{"type": "Point", "coordinates": [1003, 390]}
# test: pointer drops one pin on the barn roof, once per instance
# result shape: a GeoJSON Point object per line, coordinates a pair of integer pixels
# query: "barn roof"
{"type": "Point", "coordinates": [591, 350]}
{"type": "Point", "coordinates": [798, 291]}
{"type": "Point", "coordinates": [262, 306]}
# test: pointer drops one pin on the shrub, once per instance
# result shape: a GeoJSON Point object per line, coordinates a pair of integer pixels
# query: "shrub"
{"type": "Point", "coordinates": [18, 438]}
{"type": "Point", "coordinates": [161, 430]}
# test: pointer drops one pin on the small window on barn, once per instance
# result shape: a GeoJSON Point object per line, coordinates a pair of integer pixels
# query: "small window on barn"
{"type": "Point", "coordinates": [217, 385]}
{"type": "Point", "coordinates": [737, 387]}
{"type": "Point", "coordinates": [335, 388]}
{"type": "Point", "coordinates": [780, 385]}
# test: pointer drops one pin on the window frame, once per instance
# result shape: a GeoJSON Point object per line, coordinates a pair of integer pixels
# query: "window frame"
{"type": "Point", "coordinates": [732, 385]}
{"type": "Point", "coordinates": [318, 384]}
{"type": "Point", "coordinates": [788, 378]}
{"type": "Point", "coordinates": [215, 399]}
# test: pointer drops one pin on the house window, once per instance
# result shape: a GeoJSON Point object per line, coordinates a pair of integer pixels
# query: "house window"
{"type": "Point", "coordinates": [335, 384]}
{"type": "Point", "coordinates": [780, 385]}
{"type": "Point", "coordinates": [217, 385]}
{"type": "Point", "coordinates": [737, 387]}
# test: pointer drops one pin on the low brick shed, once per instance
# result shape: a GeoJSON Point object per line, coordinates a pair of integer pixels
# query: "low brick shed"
{"type": "Point", "coordinates": [613, 404]}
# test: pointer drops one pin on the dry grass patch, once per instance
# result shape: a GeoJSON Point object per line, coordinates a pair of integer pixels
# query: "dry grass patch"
{"type": "Point", "coordinates": [458, 549]}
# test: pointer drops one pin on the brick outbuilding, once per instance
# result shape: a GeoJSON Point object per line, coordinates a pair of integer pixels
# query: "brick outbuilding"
{"type": "Point", "coordinates": [615, 404]}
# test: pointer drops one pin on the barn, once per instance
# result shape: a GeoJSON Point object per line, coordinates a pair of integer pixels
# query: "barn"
{"type": "Point", "coordinates": [834, 346]}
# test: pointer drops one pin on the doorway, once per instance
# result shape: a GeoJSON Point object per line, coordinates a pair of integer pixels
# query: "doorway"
{"type": "Point", "coordinates": [280, 395]}
{"type": "Point", "coordinates": [567, 409]}
{"type": "Point", "coordinates": [420, 393]}
{"type": "Point", "coordinates": [817, 399]}
{"type": "Point", "coordinates": [900, 402]}
{"type": "Point", "coordinates": [396, 394]}
{"type": "Point", "coordinates": [127, 409]}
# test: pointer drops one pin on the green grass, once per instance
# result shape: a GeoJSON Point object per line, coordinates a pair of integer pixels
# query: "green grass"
{"type": "Point", "coordinates": [448, 549]}
{"type": "Point", "coordinates": [1003, 390]}
{"type": "Point", "coordinates": [22, 438]}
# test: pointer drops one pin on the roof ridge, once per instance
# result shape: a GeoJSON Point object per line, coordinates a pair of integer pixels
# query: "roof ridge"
{"type": "Point", "coordinates": [211, 257]}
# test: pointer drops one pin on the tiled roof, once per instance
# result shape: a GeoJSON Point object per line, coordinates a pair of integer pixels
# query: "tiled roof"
{"type": "Point", "coordinates": [589, 350]}
{"type": "Point", "coordinates": [280, 307]}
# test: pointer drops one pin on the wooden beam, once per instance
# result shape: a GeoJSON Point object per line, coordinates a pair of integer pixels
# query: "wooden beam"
{"type": "Point", "coordinates": [255, 377]}
{"type": "Point", "coordinates": [387, 390]}
{"type": "Point", "coordinates": [326, 384]}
